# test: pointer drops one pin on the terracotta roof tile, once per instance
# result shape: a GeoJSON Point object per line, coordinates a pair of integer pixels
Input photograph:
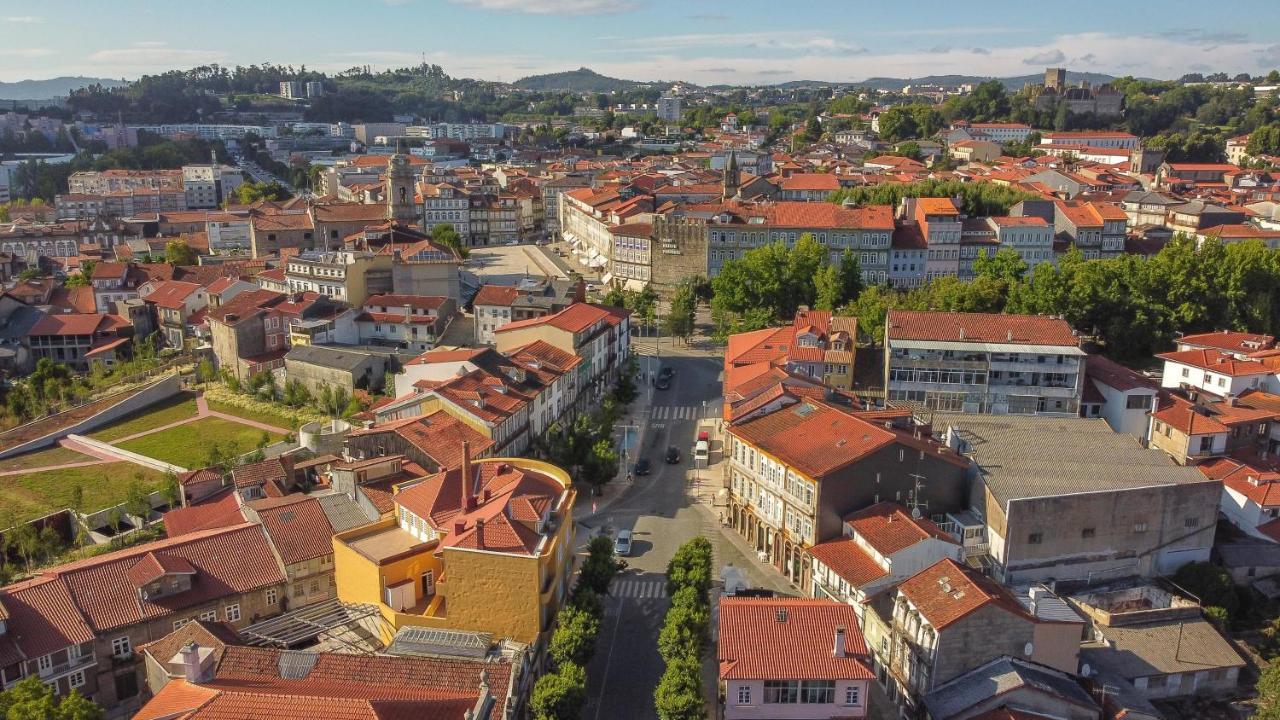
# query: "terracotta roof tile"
{"type": "Point", "coordinates": [946, 592]}
{"type": "Point", "coordinates": [785, 638]}
{"type": "Point", "coordinates": [980, 328]}
{"type": "Point", "coordinates": [299, 529]}
{"type": "Point", "coordinates": [888, 528]}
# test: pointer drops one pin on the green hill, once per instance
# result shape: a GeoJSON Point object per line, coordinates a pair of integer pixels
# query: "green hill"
{"type": "Point", "coordinates": [580, 80]}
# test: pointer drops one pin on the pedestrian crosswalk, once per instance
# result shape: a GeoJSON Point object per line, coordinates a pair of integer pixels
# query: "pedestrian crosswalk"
{"type": "Point", "coordinates": [624, 587]}
{"type": "Point", "coordinates": [678, 412]}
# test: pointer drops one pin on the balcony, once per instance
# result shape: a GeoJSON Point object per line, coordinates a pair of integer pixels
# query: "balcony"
{"type": "Point", "coordinates": [937, 364]}
{"type": "Point", "coordinates": [63, 668]}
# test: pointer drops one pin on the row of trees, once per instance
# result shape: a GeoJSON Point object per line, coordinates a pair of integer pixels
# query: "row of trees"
{"type": "Point", "coordinates": [32, 699]}
{"type": "Point", "coordinates": [976, 199]}
{"type": "Point", "coordinates": [583, 446]}
{"type": "Point", "coordinates": [767, 284]}
{"type": "Point", "coordinates": [560, 694]}
{"type": "Point", "coordinates": [1132, 305]}
{"type": "Point", "coordinates": [333, 401]}
{"type": "Point", "coordinates": [685, 633]}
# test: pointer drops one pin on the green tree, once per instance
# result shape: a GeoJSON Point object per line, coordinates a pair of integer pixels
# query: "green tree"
{"type": "Point", "coordinates": [137, 503]}
{"type": "Point", "coordinates": [574, 639]}
{"type": "Point", "coordinates": [686, 627]}
{"type": "Point", "coordinates": [690, 567]}
{"type": "Point", "coordinates": [31, 699]}
{"type": "Point", "coordinates": [897, 124]}
{"type": "Point", "coordinates": [679, 693]}
{"type": "Point", "coordinates": [615, 297]}
{"type": "Point", "coordinates": [251, 192]}
{"type": "Point", "coordinates": [680, 318]}
{"type": "Point", "coordinates": [829, 288]}
{"type": "Point", "coordinates": [1006, 265]}
{"type": "Point", "coordinates": [872, 307]}
{"type": "Point", "coordinates": [178, 252]}
{"type": "Point", "coordinates": [1211, 585]}
{"type": "Point", "coordinates": [205, 371]}
{"type": "Point", "coordinates": [600, 566]}
{"type": "Point", "coordinates": [445, 234]}
{"type": "Point", "coordinates": [1268, 689]}
{"type": "Point", "coordinates": [559, 695]}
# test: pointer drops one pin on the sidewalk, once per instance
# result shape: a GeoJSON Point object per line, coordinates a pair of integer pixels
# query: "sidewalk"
{"type": "Point", "coordinates": [637, 415]}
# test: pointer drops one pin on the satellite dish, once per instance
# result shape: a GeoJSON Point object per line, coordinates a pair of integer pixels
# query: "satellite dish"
{"type": "Point", "coordinates": [1028, 649]}
{"type": "Point", "coordinates": [1085, 670]}
{"type": "Point", "coordinates": [915, 513]}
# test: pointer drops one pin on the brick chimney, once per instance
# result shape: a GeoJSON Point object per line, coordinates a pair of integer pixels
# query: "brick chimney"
{"type": "Point", "coordinates": [838, 650]}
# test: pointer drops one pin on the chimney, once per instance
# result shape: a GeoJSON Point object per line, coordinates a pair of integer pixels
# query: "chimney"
{"type": "Point", "coordinates": [468, 500]}
{"type": "Point", "coordinates": [459, 526]}
{"type": "Point", "coordinates": [480, 532]}
{"type": "Point", "coordinates": [838, 650]}
{"type": "Point", "coordinates": [193, 662]}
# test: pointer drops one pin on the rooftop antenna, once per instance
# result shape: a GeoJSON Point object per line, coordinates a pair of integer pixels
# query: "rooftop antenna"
{"type": "Point", "coordinates": [913, 499]}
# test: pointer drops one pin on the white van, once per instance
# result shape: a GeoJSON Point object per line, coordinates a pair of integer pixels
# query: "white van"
{"type": "Point", "coordinates": [701, 453]}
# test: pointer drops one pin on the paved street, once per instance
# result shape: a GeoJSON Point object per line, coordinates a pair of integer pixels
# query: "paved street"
{"type": "Point", "coordinates": [661, 512]}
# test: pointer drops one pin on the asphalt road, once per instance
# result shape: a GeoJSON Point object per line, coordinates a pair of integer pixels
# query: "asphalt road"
{"type": "Point", "coordinates": [661, 515]}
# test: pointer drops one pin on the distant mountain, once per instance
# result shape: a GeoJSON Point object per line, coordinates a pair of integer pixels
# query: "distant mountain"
{"type": "Point", "coordinates": [1012, 83]}
{"type": "Point", "coordinates": [52, 88]}
{"type": "Point", "coordinates": [580, 80]}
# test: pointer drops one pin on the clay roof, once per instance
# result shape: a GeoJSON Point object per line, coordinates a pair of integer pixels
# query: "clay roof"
{"type": "Point", "coordinates": [1260, 486]}
{"type": "Point", "coordinates": [947, 591]}
{"type": "Point", "coordinates": [299, 529]}
{"type": "Point", "coordinates": [1229, 341]}
{"type": "Point", "coordinates": [575, 318]}
{"type": "Point", "coordinates": [799, 182]}
{"type": "Point", "coordinates": [221, 509]}
{"type": "Point", "coordinates": [813, 437]}
{"type": "Point", "coordinates": [501, 295]}
{"type": "Point", "coordinates": [888, 528]}
{"type": "Point", "coordinates": [171, 293]}
{"type": "Point", "coordinates": [980, 328]}
{"type": "Point", "coordinates": [848, 560]}
{"type": "Point", "coordinates": [1217, 362]}
{"type": "Point", "coordinates": [438, 435]}
{"type": "Point", "coordinates": [1114, 375]}
{"type": "Point", "coordinates": [787, 638]}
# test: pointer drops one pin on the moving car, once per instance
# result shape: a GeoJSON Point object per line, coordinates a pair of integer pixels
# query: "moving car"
{"type": "Point", "coordinates": [663, 383]}
{"type": "Point", "coordinates": [622, 544]}
{"type": "Point", "coordinates": [666, 371]}
{"type": "Point", "coordinates": [673, 455]}
{"type": "Point", "coordinates": [642, 466]}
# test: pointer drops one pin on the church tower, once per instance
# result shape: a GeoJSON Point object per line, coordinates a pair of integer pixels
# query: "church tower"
{"type": "Point", "coordinates": [400, 189]}
{"type": "Point", "coordinates": [732, 180]}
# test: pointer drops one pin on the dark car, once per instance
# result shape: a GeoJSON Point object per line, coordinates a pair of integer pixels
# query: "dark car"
{"type": "Point", "coordinates": [663, 383]}
{"type": "Point", "coordinates": [667, 372]}
{"type": "Point", "coordinates": [642, 466]}
{"type": "Point", "coordinates": [673, 455]}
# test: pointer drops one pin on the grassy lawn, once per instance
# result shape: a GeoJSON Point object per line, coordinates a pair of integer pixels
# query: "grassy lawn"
{"type": "Point", "coordinates": [42, 458]}
{"type": "Point", "coordinates": [188, 445]}
{"type": "Point", "coordinates": [179, 407]}
{"type": "Point", "coordinates": [32, 495]}
{"type": "Point", "coordinates": [270, 418]}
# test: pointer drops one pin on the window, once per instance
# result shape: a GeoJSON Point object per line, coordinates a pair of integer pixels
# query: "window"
{"type": "Point", "coordinates": [1035, 538]}
{"type": "Point", "coordinates": [780, 692]}
{"type": "Point", "coordinates": [233, 613]}
{"type": "Point", "coordinates": [1140, 527]}
{"type": "Point", "coordinates": [120, 647]}
{"type": "Point", "coordinates": [209, 616]}
{"type": "Point", "coordinates": [1192, 522]}
{"type": "Point", "coordinates": [76, 679]}
{"type": "Point", "coordinates": [271, 596]}
{"type": "Point", "coordinates": [45, 663]}
{"type": "Point", "coordinates": [1137, 402]}
{"type": "Point", "coordinates": [1088, 533]}
{"type": "Point", "coordinates": [744, 694]}
{"type": "Point", "coordinates": [818, 692]}
{"type": "Point", "coordinates": [851, 695]}
{"type": "Point", "coordinates": [179, 623]}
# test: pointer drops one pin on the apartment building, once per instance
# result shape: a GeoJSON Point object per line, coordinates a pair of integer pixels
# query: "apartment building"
{"type": "Point", "coordinates": [880, 546]}
{"type": "Point", "coordinates": [983, 363]}
{"type": "Point", "coordinates": [599, 335]}
{"type": "Point", "coordinates": [348, 276]}
{"type": "Point", "coordinates": [78, 626]}
{"type": "Point", "coordinates": [493, 538]}
{"type": "Point", "coordinates": [1121, 396]}
{"type": "Point", "coordinates": [251, 332]}
{"type": "Point", "coordinates": [1192, 431]}
{"type": "Point", "coordinates": [817, 344]}
{"type": "Point", "coordinates": [632, 257]}
{"type": "Point", "coordinates": [411, 322]}
{"type": "Point", "coordinates": [174, 303]}
{"type": "Point", "coordinates": [1092, 138]}
{"type": "Point", "coordinates": [301, 539]}
{"type": "Point", "coordinates": [209, 186]}
{"type": "Point", "coordinates": [949, 619]}
{"type": "Point", "coordinates": [1030, 237]}
{"type": "Point", "coordinates": [80, 340]}
{"type": "Point", "coordinates": [798, 465]}
{"type": "Point", "coordinates": [1097, 229]}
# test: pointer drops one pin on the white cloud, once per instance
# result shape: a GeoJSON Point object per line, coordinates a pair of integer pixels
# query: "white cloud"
{"type": "Point", "coordinates": [151, 44]}
{"type": "Point", "coordinates": [549, 7]}
{"type": "Point", "coordinates": [1047, 57]}
{"type": "Point", "coordinates": [22, 19]}
{"type": "Point", "coordinates": [806, 40]}
{"type": "Point", "coordinates": [145, 57]}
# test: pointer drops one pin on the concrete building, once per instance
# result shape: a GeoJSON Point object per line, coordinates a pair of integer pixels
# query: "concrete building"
{"type": "Point", "coordinates": [340, 367]}
{"type": "Point", "coordinates": [348, 276]}
{"type": "Point", "coordinates": [669, 107]}
{"type": "Point", "coordinates": [497, 305]}
{"type": "Point", "coordinates": [413, 323]}
{"type": "Point", "coordinates": [1098, 505]}
{"type": "Point", "coordinates": [792, 658]}
{"type": "Point", "coordinates": [600, 335]}
{"type": "Point", "coordinates": [1012, 688]}
{"type": "Point", "coordinates": [981, 363]}
{"type": "Point", "coordinates": [494, 537]}
{"type": "Point", "coordinates": [1118, 395]}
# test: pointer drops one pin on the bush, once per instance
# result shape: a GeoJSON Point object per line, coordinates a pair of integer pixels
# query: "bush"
{"type": "Point", "coordinates": [1211, 585]}
{"type": "Point", "coordinates": [690, 567]}
{"type": "Point", "coordinates": [559, 695]}
{"type": "Point", "coordinates": [574, 640]}
{"type": "Point", "coordinates": [687, 626]}
{"type": "Point", "coordinates": [679, 693]}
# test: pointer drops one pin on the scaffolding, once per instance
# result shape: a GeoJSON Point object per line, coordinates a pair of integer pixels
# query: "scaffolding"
{"type": "Point", "coordinates": [333, 619]}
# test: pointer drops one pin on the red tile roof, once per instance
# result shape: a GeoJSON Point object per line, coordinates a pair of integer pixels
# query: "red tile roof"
{"type": "Point", "coordinates": [980, 328]}
{"type": "Point", "coordinates": [947, 591]}
{"type": "Point", "coordinates": [438, 435]}
{"type": "Point", "coordinates": [217, 511]}
{"type": "Point", "coordinates": [154, 566]}
{"type": "Point", "coordinates": [789, 638]}
{"type": "Point", "coordinates": [575, 318]}
{"type": "Point", "coordinates": [500, 295]}
{"type": "Point", "coordinates": [1260, 486]}
{"type": "Point", "coordinates": [1116, 376]}
{"type": "Point", "coordinates": [297, 526]}
{"type": "Point", "coordinates": [1229, 341]}
{"type": "Point", "coordinates": [801, 182]}
{"type": "Point", "coordinates": [848, 560]}
{"type": "Point", "coordinates": [888, 528]}
{"type": "Point", "coordinates": [1217, 362]}
{"type": "Point", "coordinates": [172, 293]}
{"type": "Point", "coordinates": [813, 437]}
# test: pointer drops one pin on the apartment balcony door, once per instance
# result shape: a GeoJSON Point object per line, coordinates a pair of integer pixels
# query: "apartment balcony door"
{"type": "Point", "coordinates": [428, 584]}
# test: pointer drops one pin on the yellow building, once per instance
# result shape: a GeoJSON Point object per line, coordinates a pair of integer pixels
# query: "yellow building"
{"type": "Point", "coordinates": [487, 547]}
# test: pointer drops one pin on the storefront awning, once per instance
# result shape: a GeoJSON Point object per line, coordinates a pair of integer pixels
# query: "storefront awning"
{"type": "Point", "coordinates": [606, 278]}
{"type": "Point", "coordinates": [634, 285]}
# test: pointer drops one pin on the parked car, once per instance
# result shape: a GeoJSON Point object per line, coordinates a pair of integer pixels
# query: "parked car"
{"type": "Point", "coordinates": [673, 455]}
{"type": "Point", "coordinates": [642, 466]}
{"type": "Point", "coordinates": [666, 371]}
{"type": "Point", "coordinates": [663, 383]}
{"type": "Point", "coordinates": [701, 453]}
{"type": "Point", "coordinates": [622, 544]}
{"type": "Point", "coordinates": [704, 436]}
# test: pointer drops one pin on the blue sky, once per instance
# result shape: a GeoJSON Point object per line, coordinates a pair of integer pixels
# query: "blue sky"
{"type": "Point", "coordinates": [703, 41]}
